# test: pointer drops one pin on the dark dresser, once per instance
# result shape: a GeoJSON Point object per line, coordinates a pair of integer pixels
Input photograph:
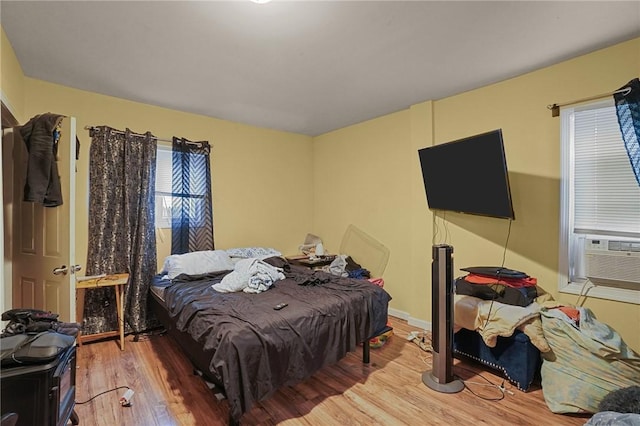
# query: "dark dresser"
{"type": "Point", "coordinates": [41, 394]}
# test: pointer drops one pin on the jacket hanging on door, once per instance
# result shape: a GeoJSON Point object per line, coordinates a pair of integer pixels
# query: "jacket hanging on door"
{"type": "Point", "coordinates": [41, 135]}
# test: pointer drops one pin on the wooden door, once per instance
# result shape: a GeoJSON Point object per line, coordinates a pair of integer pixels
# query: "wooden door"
{"type": "Point", "coordinates": [44, 237]}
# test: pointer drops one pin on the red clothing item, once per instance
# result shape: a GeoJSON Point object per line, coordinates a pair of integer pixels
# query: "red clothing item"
{"type": "Point", "coordinates": [509, 282]}
{"type": "Point", "coordinates": [572, 313]}
{"type": "Point", "coordinates": [377, 281]}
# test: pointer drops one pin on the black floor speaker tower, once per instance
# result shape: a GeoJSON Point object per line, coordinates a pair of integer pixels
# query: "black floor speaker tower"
{"type": "Point", "coordinates": [440, 378]}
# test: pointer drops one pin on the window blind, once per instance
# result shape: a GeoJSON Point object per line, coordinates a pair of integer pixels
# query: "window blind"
{"type": "Point", "coordinates": [163, 171]}
{"type": "Point", "coordinates": [606, 194]}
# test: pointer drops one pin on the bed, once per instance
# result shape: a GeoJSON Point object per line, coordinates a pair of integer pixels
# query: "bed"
{"type": "Point", "coordinates": [246, 348]}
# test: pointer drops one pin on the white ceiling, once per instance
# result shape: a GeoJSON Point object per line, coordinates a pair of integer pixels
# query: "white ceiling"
{"type": "Point", "coordinates": [302, 66]}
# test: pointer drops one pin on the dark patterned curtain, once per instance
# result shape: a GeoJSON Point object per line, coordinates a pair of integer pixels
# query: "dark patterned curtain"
{"type": "Point", "coordinates": [191, 212]}
{"type": "Point", "coordinates": [122, 169]}
{"type": "Point", "coordinates": [628, 109]}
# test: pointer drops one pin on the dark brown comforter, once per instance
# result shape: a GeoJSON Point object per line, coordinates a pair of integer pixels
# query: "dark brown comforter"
{"type": "Point", "coordinates": [256, 349]}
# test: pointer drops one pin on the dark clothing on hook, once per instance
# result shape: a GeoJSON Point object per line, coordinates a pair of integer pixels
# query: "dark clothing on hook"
{"type": "Point", "coordinates": [41, 135]}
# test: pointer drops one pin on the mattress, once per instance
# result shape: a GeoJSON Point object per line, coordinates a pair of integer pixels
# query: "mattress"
{"type": "Point", "coordinates": [251, 349]}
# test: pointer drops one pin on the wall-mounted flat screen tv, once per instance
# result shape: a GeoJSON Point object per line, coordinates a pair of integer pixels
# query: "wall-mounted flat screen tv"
{"type": "Point", "coordinates": [468, 176]}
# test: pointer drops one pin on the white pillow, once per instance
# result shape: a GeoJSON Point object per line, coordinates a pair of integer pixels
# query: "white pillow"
{"type": "Point", "coordinates": [197, 262]}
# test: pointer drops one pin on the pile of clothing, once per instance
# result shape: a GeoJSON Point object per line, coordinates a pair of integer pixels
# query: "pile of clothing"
{"type": "Point", "coordinates": [499, 284]}
{"type": "Point", "coordinates": [251, 275]}
{"type": "Point", "coordinates": [345, 266]}
{"type": "Point", "coordinates": [33, 321]}
{"type": "Point", "coordinates": [33, 336]}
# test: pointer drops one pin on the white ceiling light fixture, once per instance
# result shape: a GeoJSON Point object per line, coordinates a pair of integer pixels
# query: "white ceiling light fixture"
{"type": "Point", "coordinates": [261, 1]}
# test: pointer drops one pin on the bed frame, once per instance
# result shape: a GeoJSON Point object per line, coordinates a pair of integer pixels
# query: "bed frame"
{"type": "Point", "coordinates": [200, 358]}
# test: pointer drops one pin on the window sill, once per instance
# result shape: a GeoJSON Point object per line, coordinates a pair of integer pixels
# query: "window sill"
{"type": "Point", "coordinates": [603, 292]}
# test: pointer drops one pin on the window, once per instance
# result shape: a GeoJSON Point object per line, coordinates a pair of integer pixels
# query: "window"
{"type": "Point", "coordinates": [163, 187]}
{"type": "Point", "coordinates": [600, 207]}
{"type": "Point", "coordinates": [195, 199]}
{"type": "Point", "coordinates": [183, 195]}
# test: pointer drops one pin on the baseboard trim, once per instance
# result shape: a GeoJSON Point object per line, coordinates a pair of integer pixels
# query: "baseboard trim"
{"type": "Point", "coordinates": [416, 322]}
{"type": "Point", "coordinates": [399, 314]}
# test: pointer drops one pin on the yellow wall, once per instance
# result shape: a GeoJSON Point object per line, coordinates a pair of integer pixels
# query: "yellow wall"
{"type": "Point", "coordinates": [375, 181]}
{"type": "Point", "coordinates": [259, 197]}
{"type": "Point", "coordinates": [266, 183]}
{"type": "Point", "coordinates": [12, 78]}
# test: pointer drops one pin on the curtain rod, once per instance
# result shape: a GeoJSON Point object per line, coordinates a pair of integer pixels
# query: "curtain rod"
{"type": "Point", "coordinates": [555, 108]}
{"type": "Point", "coordinates": [198, 144]}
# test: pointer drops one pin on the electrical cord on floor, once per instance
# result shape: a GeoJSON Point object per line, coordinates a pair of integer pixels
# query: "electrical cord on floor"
{"type": "Point", "coordinates": [102, 393]}
{"type": "Point", "coordinates": [489, 383]}
{"type": "Point", "coordinates": [425, 359]}
{"type": "Point", "coordinates": [501, 387]}
{"type": "Point", "coordinates": [423, 344]}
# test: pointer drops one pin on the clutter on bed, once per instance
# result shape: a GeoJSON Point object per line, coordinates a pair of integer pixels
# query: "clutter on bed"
{"type": "Point", "coordinates": [249, 343]}
{"type": "Point", "coordinates": [344, 266]}
{"type": "Point", "coordinates": [211, 261]}
{"type": "Point", "coordinates": [251, 276]}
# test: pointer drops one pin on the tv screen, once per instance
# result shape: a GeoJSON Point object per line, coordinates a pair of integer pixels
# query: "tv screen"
{"type": "Point", "coordinates": [468, 176]}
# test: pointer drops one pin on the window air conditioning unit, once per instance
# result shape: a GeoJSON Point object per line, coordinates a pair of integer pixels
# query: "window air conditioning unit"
{"type": "Point", "coordinates": [612, 260]}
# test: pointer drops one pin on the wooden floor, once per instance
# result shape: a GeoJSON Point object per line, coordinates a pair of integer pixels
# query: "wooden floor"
{"type": "Point", "coordinates": [388, 391]}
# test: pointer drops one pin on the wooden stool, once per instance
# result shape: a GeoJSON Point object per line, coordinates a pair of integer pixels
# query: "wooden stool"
{"type": "Point", "coordinates": [118, 281]}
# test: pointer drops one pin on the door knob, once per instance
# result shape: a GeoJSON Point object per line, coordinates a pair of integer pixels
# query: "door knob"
{"type": "Point", "coordinates": [61, 270]}
{"type": "Point", "coordinates": [75, 268]}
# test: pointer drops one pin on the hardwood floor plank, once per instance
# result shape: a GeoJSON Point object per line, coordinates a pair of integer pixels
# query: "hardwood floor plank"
{"type": "Point", "coordinates": [388, 391]}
